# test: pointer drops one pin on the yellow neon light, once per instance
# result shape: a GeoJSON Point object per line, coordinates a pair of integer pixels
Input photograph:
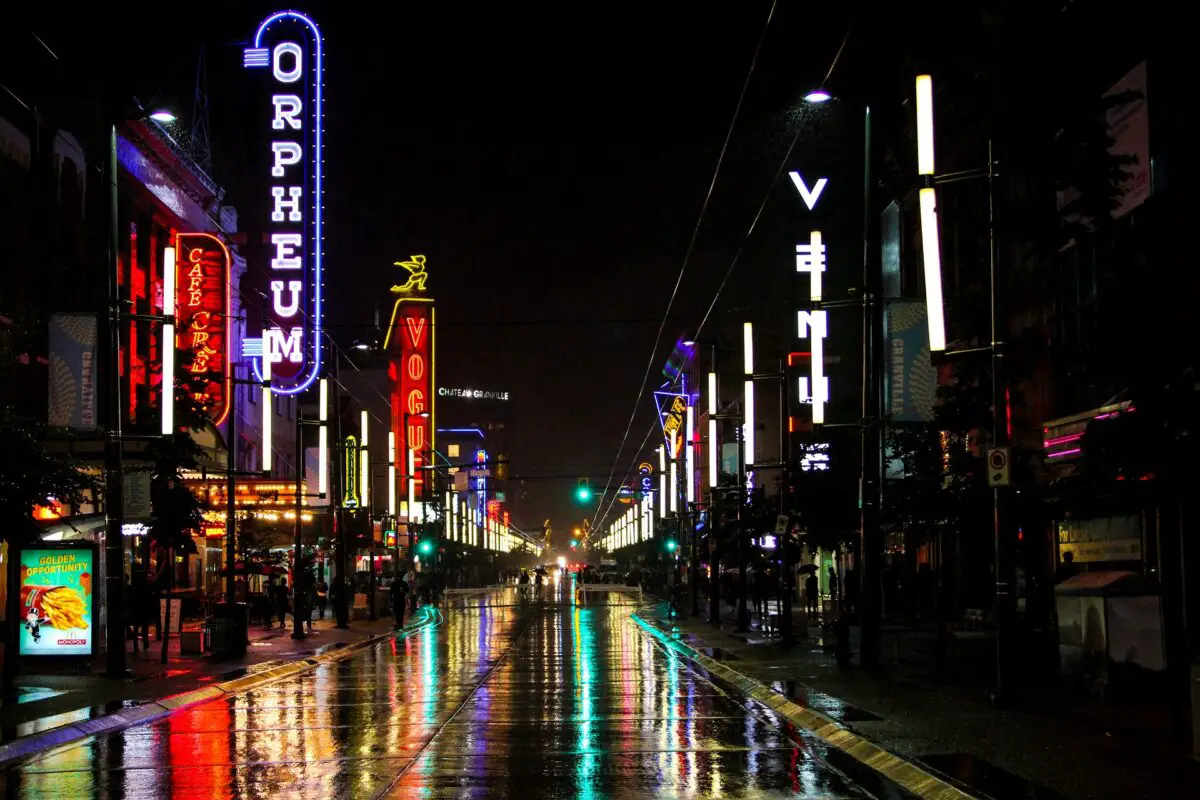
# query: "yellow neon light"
{"type": "Point", "coordinates": [416, 275]}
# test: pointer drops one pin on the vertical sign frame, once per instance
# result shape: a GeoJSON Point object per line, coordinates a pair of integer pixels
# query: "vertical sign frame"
{"type": "Point", "coordinates": [202, 309]}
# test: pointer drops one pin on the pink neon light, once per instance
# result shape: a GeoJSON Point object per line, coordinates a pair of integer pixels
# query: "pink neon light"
{"type": "Point", "coordinates": [1062, 439]}
{"type": "Point", "coordinates": [1062, 453]}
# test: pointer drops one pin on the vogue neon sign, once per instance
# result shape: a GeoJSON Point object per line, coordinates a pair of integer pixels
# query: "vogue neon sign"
{"type": "Point", "coordinates": [202, 316]}
{"type": "Point", "coordinates": [288, 46]}
{"type": "Point", "coordinates": [410, 342]}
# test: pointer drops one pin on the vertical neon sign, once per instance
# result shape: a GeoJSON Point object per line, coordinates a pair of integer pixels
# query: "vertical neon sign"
{"type": "Point", "coordinates": [201, 314]}
{"type": "Point", "coordinates": [410, 342]}
{"type": "Point", "coordinates": [813, 324]}
{"type": "Point", "coordinates": [288, 46]}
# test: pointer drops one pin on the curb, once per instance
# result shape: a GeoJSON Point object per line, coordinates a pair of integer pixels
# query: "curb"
{"type": "Point", "coordinates": [901, 771]}
{"type": "Point", "coordinates": [157, 709]}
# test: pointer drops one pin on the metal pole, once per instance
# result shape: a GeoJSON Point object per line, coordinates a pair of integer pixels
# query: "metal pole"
{"type": "Point", "coordinates": [230, 489]}
{"type": "Point", "coordinates": [298, 542]}
{"type": "Point", "coordinates": [341, 609]}
{"type": "Point", "coordinates": [1004, 556]}
{"type": "Point", "coordinates": [114, 479]}
{"type": "Point", "coordinates": [785, 457]}
{"type": "Point", "coordinates": [870, 544]}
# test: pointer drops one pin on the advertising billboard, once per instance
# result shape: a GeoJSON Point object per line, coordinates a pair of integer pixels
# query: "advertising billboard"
{"type": "Point", "coordinates": [73, 386]}
{"type": "Point", "coordinates": [911, 378]}
{"type": "Point", "coordinates": [56, 601]}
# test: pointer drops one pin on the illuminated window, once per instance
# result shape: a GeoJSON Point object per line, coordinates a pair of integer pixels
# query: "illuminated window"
{"type": "Point", "coordinates": [453, 451]}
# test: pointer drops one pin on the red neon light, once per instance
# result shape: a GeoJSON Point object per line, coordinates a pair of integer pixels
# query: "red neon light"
{"type": "Point", "coordinates": [202, 311]}
{"type": "Point", "coordinates": [412, 369]}
{"type": "Point", "coordinates": [1008, 412]}
{"type": "Point", "coordinates": [798, 354]}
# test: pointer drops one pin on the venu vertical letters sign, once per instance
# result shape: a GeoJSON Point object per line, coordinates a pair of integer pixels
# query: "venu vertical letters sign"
{"type": "Point", "coordinates": [813, 323]}
{"type": "Point", "coordinates": [287, 51]}
{"type": "Point", "coordinates": [202, 317]}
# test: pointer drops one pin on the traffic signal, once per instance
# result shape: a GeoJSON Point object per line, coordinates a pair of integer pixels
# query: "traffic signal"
{"type": "Point", "coordinates": [671, 545]}
{"type": "Point", "coordinates": [574, 544]}
{"type": "Point", "coordinates": [583, 491]}
{"type": "Point", "coordinates": [425, 547]}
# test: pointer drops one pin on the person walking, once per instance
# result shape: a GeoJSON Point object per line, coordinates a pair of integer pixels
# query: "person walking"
{"type": "Point", "coordinates": [308, 594]}
{"type": "Point", "coordinates": [322, 597]}
{"type": "Point", "coordinates": [399, 590]}
{"type": "Point", "coordinates": [812, 591]}
{"type": "Point", "coordinates": [281, 601]}
{"type": "Point", "coordinates": [410, 577]}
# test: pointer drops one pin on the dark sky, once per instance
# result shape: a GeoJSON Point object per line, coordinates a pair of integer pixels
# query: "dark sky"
{"type": "Point", "coordinates": [550, 162]}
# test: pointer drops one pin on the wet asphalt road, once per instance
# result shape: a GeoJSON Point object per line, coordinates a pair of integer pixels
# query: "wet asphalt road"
{"type": "Point", "coordinates": [558, 701]}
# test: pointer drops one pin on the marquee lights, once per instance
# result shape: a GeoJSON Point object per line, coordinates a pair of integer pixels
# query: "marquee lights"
{"type": "Point", "coordinates": [289, 47]}
{"type": "Point", "coordinates": [202, 309]}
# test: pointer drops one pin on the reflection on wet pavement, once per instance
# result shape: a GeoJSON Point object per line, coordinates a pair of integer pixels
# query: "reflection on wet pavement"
{"type": "Point", "coordinates": [557, 701]}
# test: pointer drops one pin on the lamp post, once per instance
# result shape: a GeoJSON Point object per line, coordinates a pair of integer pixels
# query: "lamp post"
{"type": "Point", "coordinates": [870, 549]}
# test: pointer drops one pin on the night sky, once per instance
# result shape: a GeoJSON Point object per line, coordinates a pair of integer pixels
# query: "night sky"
{"type": "Point", "coordinates": [550, 162]}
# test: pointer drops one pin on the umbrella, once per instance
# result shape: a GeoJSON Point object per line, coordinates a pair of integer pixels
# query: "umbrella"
{"type": "Point", "coordinates": [809, 568]}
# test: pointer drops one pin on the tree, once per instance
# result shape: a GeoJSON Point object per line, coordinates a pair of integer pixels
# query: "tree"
{"type": "Point", "coordinates": [30, 475]}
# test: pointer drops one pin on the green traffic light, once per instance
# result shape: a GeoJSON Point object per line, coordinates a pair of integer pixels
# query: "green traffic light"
{"type": "Point", "coordinates": [671, 545]}
{"type": "Point", "coordinates": [426, 547]}
{"type": "Point", "coordinates": [583, 494]}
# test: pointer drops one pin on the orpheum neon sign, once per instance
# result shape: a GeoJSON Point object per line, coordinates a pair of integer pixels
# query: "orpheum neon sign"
{"type": "Point", "coordinates": [202, 316]}
{"type": "Point", "coordinates": [288, 45]}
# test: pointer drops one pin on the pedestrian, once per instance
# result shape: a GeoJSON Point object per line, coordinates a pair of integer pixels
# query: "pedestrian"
{"type": "Point", "coordinates": [833, 584]}
{"type": "Point", "coordinates": [812, 590]}
{"type": "Point", "coordinates": [309, 595]}
{"type": "Point", "coordinates": [399, 590]}
{"type": "Point", "coordinates": [322, 597]}
{"type": "Point", "coordinates": [281, 601]}
{"type": "Point", "coordinates": [410, 577]}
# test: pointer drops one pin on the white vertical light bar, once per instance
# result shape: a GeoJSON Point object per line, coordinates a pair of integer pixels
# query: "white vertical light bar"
{"type": "Point", "coordinates": [820, 388]}
{"type": "Point", "coordinates": [412, 484]}
{"type": "Point", "coordinates": [690, 457]}
{"type": "Point", "coordinates": [391, 473]}
{"type": "Point", "coordinates": [323, 440]}
{"type": "Point", "coordinates": [748, 411]}
{"type": "Point", "coordinates": [924, 125]}
{"type": "Point", "coordinates": [364, 464]}
{"type": "Point", "coordinates": [713, 444]}
{"type": "Point", "coordinates": [674, 485]}
{"type": "Point", "coordinates": [449, 514]}
{"type": "Point", "coordinates": [662, 481]}
{"type": "Point", "coordinates": [268, 412]}
{"type": "Point", "coordinates": [930, 244]}
{"type": "Point", "coordinates": [931, 249]}
{"type": "Point", "coordinates": [167, 393]}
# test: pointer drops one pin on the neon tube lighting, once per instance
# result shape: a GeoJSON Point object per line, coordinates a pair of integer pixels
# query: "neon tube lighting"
{"type": "Point", "coordinates": [323, 460]}
{"type": "Point", "coordinates": [748, 426]}
{"type": "Point", "coordinates": [268, 413]}
{"type": "Point", "coordinates": [931, 248]}
{"type": "Point", "coordinates": [169, 282]}
{"type": "Point", "coordinates": [318, 166]}
{"type": "Point", "coordinates": [1062, 453]}
{"type": "Point", "coordinates": [167, 394]}
{"type": "Point", "coordinates": [1062, 440]}
{"type": "Point", "coordinates": [690, 454]}
{"type": "Point", "coordinates": [924, 125]}
{"type": "Point", "coordinates": [324, 393]}
{"type": "Point", "coordinates": [748, 347]}
{"type": "Point", "coordinates": [713, 474]}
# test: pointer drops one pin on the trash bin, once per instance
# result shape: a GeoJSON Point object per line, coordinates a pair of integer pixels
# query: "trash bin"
{"type": "Point", "coordinates": [228, 631]}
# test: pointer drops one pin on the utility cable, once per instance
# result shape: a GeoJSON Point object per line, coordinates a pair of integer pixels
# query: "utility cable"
{"type": "Point", "coordinates": [690, 248]}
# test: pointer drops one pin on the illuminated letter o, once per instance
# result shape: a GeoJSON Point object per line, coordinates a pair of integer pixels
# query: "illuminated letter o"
{"type": "Point", "coordinates": [416, 367]}
{"type": "Point", "coordinates": [292, 49]}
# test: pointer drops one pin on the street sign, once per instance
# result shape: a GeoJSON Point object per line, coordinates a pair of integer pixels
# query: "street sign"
{"type": "Point", "coordinates": [998, 466]}
{"type": "Point", "coordinates": [782, 522]}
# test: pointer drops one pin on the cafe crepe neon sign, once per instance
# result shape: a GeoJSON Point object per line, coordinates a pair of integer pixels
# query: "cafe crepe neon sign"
{"type": "Point", "coordinates": [813, 324]}
{"type": "Point", "coordinates": [289, 45]}
{"type": "Point", "coordinates": [202, 314]}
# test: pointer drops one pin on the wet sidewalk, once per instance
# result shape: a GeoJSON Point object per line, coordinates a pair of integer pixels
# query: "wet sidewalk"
{"type": "Point", "coordinates": [1055, 746]}
{"type": "Point", "coordinates": [53, 696]}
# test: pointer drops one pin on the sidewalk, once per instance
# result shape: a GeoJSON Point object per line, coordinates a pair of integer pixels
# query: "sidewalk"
{"type": "Point", "coordinates": [1057, 745]}
{"type": "Point", "coordinates": [50, 699]}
